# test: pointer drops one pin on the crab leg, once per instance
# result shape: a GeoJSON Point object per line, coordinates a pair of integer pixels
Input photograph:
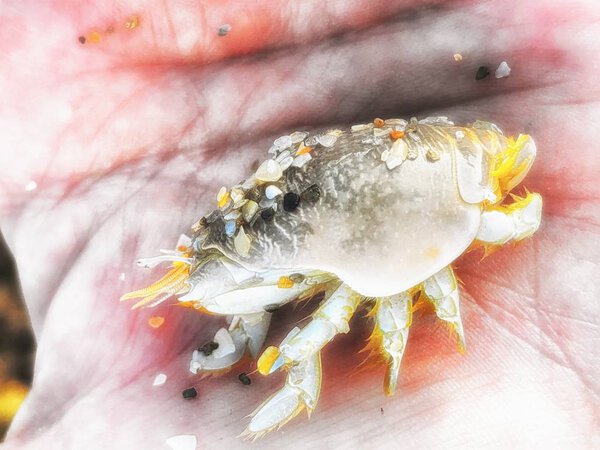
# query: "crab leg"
{"type": "Point", "coordinates": [441, 290]}
{"type": "Point", "coordinates": [299, 353]}
{"type": "Point", "coordinates": [245, 332]}
{"type": "Point", "coordinates": [500, 224]}
{"type": "Point", "coordinates": [301, 390]}
{"type": "Point", "coordinates": [393, 316]}
{"type": "Point", "coordinates": [330, 319]}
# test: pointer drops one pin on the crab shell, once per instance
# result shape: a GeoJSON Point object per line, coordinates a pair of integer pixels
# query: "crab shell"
{"type": "Point", "coordinates": [393, 208]}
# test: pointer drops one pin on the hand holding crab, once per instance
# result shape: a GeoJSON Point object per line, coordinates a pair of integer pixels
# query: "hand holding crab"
{"type": "Point", "coordinates": [113, 149]}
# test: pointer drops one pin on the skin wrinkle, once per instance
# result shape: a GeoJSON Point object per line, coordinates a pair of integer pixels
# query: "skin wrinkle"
{"type": "Point", "coordinates": [167, 15]}
{"type": "Point", "coordinates": [555, 337]}
{"type": "Point", "coordinates": [579, 223]}
{"type": "Point", "coordinates": [244, 118]}
{"type": "Point", "coordinates": [188, 128]}
{"type": "Point", "coordinates": [102, 124]}
{"type": "Point", "coordinates": [499, 304]}
{"type": "Point", "coordinates": [502, 285]}
{"type": "Point", "coordinates": [549, 356]}
{"type": "Point", "coordinates": [423, 409]}
{"type": "Point", "coordinates": [325, 420]}
{"type": "Point", "coordinates": [90, 180]}
{"type": "Point", "coordinates": [586, 381]}
{"type": "Point", "coordinates": [78, 250]}
{"type": "Point", "coordinates": [552, 315]}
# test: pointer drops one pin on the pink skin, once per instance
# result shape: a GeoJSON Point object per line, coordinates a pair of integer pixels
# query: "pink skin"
{"type": "Point", "coordinates": [129, 140]}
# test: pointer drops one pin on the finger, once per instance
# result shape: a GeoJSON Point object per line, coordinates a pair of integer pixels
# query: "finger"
{"type": "Point", "coordinates": [155, 32]}
{"type": "Point", "coordinates": [410, 76]}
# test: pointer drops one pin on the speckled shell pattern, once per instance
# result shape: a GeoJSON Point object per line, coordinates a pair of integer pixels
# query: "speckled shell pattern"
{"type": "Point", "coordinates": [381, 229]}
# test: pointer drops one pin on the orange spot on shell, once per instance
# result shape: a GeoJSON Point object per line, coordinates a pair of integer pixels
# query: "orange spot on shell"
{"type": "Point", "coordinates": [285, 283]}
{"type": "Point", "coordinates": [190, 304]}
{"type": "Point", "coordinates": [196, 306]}
{"type": "Point", "coordinates": [156, 321]}
{"type": "Point", "coordinates": [397, 134]}
{"type": "Point", "coordinates": [432, 252]}
{"type": "Point", "coordinates": [303, 150]}
{"type": "Point", "coordinates": [378, 122]}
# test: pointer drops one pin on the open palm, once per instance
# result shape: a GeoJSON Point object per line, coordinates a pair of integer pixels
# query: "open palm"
{"type": "Point", "coordinates": [111, 149]}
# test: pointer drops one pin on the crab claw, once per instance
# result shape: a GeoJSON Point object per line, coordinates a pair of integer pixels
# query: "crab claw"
{"type": "Point", "coordinates": [229, 349]}
{"type": "Point", "coordinates": [514, 162]}
{"type": "Point", "coordinates": [301, 391]}
{"type": "Point", "coordinates": [246, 332]}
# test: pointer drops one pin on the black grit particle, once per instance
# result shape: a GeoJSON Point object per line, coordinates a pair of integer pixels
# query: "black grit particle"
{"type": "Point", "coordinates": [271, 308]}
{"type": "Point", "coordinates": [224, 30]}
{"type": "Point", "coordinates": [291, 200]}
{"type": "Point", "coordinates": [189, 393]}
{"type": "Point", "coordinates": [482, 72]}
{"type": "Point", "coordinates": [245, 379]}
{"type": "Point", "coordinates": [208, 348]}
{"type": "Point", "coordinates": [267, 214]}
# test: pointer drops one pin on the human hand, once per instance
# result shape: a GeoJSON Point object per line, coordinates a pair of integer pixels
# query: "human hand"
{"type": "Point", "coordinates": [129, 138]}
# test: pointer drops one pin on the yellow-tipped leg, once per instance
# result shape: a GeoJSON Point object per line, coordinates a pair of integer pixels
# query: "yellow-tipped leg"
{"type": "Point", "coordinates": [267, 360]}
{"type": "Point", "coordinates": [441, 290]}
{"type": "Point", "coordinates": [301, 390]}
{"type": "Point", "coordinates": [329, 320]}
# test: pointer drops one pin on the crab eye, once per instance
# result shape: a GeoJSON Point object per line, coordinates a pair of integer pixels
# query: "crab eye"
{"type": "Point", "coordinates": [197, 244]}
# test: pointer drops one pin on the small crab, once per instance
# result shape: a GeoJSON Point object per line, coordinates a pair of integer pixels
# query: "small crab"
{"type": "Point", "coordinates": [371, 216]}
